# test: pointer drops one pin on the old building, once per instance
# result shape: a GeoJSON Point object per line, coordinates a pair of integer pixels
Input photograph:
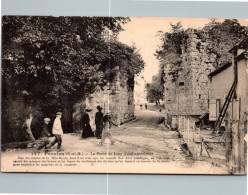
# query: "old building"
{"type": "Point", "coordinates": [236, 123]}
{"type": "Point", "coordinates": [187, 92]}
{"type": "Point", "coordinates": [223, 80]}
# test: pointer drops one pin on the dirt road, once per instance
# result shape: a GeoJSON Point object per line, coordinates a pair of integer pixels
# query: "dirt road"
{"type": "Point", "coordinates": [143, 134]}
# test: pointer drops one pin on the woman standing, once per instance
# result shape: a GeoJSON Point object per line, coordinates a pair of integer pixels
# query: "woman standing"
{"type": "Point", "coordinates": [87, 131]}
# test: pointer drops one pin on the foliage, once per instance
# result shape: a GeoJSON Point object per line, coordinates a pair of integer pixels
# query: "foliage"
{"type": "Point", "coordinates": [56, 54]}
{"type": "Point", "coordinates": [49, 63]}
{"type": "Point", "coordinates": [170, 50]}
{"type": "Point", "coordinates": [221, 37]}
{"type": "Point", "coordinates": [169, 53]}
{"type": "Point", "coordinates": [129, 61]}
{"type": "Point", "coordinates": [155, 91]}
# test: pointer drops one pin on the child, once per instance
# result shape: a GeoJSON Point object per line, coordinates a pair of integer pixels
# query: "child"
{"type": "Point", "coordinates": [107, 124]}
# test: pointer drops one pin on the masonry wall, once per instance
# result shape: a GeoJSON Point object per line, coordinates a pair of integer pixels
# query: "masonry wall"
{"type": "Point", "coordinates": [188, 94]}
{"type": "Point", "coordinates": [118, 97]}
{"type": "Point", "coordinates": [170, 90]}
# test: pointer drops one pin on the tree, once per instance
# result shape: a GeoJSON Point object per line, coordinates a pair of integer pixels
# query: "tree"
{"type": "Point", "coordinates": [155, 91]}
{"type": "Point", "coordinates": [49, 63]}
{"type": "Point", "coordinates": [222, 36]}
{"type": "Point", "coordinates": [66, 50]}
{"type": "Point", "coordinates": [170, 50]}
{"type": "Point", "coordinates": [128, 60]}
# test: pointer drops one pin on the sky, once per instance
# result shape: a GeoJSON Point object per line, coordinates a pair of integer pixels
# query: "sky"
{"type": "Point", "coordinates": [142, 32]}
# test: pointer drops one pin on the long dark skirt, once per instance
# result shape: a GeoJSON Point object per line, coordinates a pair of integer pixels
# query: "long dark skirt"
{"type": "Point", "coordinates": [87, 131]}
{"type": "Point", "coordinates": [99, 128]}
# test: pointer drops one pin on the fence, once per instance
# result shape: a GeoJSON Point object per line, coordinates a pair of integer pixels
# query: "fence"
{"type": "Point", "coordinates": [200, 142]}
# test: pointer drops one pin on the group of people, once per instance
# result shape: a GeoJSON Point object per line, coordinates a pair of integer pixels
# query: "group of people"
{"type": "Point", "coordinates": [141, 106]}
{"type": "Point", "coordinates": [57, 131]}
{"type": "Point", "coordinates": [103, 126]}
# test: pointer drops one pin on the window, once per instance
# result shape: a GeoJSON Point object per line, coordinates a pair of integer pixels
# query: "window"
{"type": "Point", "coordinates": [199, 96]}
{"type": "Point", "coordinates": [181, 83]}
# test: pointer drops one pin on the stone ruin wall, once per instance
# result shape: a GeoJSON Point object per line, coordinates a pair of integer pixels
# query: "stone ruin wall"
{"type": "Point", "coordinates": [170, 90]}
{"type": "Point", "coordinates": [119, 99]}
{"type": "Point", "coordinates": [197, 62]}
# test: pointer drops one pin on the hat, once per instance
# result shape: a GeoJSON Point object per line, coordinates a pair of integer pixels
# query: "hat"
{"type": "Point", "coordinates": [87, 110]}
{"type": "Point", "coordinates": [47, 119]}
{"type": "Point", "coordinates": [59, 113]}
{"type": "Point", "coordinates": [99, 108]}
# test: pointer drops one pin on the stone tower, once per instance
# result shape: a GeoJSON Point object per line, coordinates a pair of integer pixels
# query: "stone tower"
{"type": "Point", "coordinates": [187, 84]}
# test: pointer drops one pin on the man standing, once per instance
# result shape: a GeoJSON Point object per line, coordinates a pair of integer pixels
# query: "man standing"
{"type": "Point", "coordinates": [45, 134]}
{"type": "Point", "coordinates": [57, 130]}
{"type": "Point", "coordinates": [99, 122]}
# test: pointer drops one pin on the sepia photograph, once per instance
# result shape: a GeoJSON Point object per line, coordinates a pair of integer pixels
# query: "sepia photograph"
{"type": "Point", "coordinates": [124, 95]}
